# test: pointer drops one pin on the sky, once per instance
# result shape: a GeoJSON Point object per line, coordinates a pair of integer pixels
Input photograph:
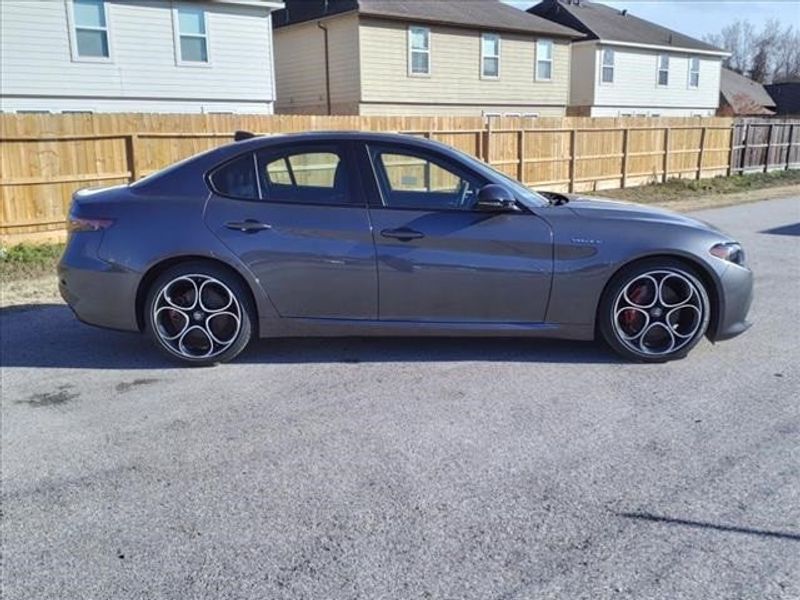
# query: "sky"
{"type": "Point", "coordinates": [698, 18]}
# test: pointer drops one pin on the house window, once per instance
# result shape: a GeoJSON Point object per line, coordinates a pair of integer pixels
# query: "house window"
{"type": "Point", "coordinates": [544, 60]}
{"type": "Point", "coordinates": [663, 69]}
{"type": "Point", "coordinates": [694, 72]}
{"type": "Point", "coordinates": [91, 29]}
{"type": "Point", "coordinates": [419, 51]}
{"type": "Point", "coordinates": [608, 65]}
{"type": "Point", "coordinates": [490, 55]}
{"type": "Point", "coordinates": [192, 35]}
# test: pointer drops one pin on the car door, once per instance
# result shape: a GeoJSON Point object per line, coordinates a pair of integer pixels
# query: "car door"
{"type": "Point", "coordinates": [439, 260]}
{"type": "Point", "coordinates": [297, 218]}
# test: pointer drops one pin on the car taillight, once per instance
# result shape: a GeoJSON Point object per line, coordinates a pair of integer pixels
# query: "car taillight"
{"type": "Point", "coordinates": [75, 224]}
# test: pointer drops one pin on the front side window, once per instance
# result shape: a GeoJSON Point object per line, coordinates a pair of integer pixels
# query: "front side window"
{"type": "Point", "coordinates": [608, 65]}
{"type": "Point", "coordinates": [544, 60]}
{"type": "Point", "coordinates": [694, 72]}
{"type": "Point", "coordinates": [419, 51]}
{"type": "Point", "coordinates": [414, 180]}
{"type": "Point", "coordinates": [663, 69]}
{"type": "Point", "coordinates": [490, 55]}
{"type": "Point", "coordinates": [192, 35]}
{"type": "Point", "coordinates": [91, 29]}
{"type": "Point", "coordinates": [304, 176]}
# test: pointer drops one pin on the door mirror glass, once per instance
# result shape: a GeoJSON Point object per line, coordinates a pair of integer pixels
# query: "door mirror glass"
{"type": "Point", "coordinates": [494, 197]}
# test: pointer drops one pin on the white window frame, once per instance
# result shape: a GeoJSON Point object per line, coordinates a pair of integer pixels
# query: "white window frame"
{"type": "Point", "coordinates": [412, 50]}
{"type": "Point", "coordinates": [176, 37]}
{"type": "Point", "coordinates": [659, 70]}
{"type": "Point", "coordinates": [538, 77]}
{"type": "Point", "coordinates": [72, 25]}
{"type": "Point", "coordinates": [497, 56]}
{"type": "Point", "coordinates": [604, 66]}
{"type": "Point", "coordinates": [693, 71]}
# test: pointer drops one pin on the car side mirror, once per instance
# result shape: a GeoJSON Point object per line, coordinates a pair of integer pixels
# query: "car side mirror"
{"type": "Point", "coordinates": [494, 197]}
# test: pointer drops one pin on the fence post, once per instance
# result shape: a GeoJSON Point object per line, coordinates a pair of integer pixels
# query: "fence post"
{"type": "Point", "coordinates": [521, 149]}
{"type": "Point", "coordinates": [789, 146]}
{"type": "Point", "coordinates": [744, 159]}
{"type": "Point", "coordinates": [130, 155]}
{"type": "Point", "coordinates": [625, 134]}
{"type": "Point", "coordinates": [573, 157]}
{"type": "Point", "coordinates": [487, 146]}
{"type": "Point", "coordinates": [703, 134]}
{"type": "Point", "coordinates": [732, 153]}
{"type": "Point", "coordinates": [666, 154]}
{"type": "Point", "coordinates": [769, 148]}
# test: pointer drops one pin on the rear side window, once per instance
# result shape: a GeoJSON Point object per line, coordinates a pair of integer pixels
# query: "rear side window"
{"type": "Point", "coordinates": [236, 179]}
{"type": "Point", "coordinates": [317, 175]}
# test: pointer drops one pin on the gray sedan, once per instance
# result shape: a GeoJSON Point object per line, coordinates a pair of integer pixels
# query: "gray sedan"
{"type": "Point", "coordinates": [331, 234]}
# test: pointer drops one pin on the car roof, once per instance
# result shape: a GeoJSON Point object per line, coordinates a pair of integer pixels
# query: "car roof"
{"type": "Point", "coordinates": [259, 141]}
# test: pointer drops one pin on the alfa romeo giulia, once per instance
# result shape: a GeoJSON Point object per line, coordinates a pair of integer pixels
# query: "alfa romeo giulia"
{"type": "Point", "coordinates": [330, 234]}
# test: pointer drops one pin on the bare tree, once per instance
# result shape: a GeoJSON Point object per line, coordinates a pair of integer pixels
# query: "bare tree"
{"type": "Point", "coordinates": [772, 54]}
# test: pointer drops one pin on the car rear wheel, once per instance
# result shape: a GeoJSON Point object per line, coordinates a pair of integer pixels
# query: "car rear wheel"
{"type": "Point", "coordinates": [199, 313]}
{"type": "Point", "coordinates": [654, 311]}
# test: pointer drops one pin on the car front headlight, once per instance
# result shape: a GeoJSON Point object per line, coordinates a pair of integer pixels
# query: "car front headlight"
{"type": "Point", "coordinates": [729, 251]}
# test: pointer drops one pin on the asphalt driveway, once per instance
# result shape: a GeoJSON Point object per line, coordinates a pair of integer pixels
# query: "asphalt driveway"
{"type": "Point", "coordinates": [409, 468]}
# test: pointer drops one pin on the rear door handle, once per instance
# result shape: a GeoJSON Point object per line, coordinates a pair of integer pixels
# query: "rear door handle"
{"type": "Point", "coordinates": [248, 226]}
{"type": "Point", "coordinates": [404, 234]}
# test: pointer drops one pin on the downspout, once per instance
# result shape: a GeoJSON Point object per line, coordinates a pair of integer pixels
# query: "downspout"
{"type": "Point", "coordinates": [327, 67]}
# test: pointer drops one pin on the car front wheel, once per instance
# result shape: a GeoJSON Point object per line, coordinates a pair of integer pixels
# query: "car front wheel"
{"type": "Point", "coordinates": [199, 313]}
{"type": "Point", "coordinates": [654, 311]}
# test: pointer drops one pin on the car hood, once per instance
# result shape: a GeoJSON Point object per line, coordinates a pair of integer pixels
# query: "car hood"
{"type": "Point", "coordinates": [602, 208]}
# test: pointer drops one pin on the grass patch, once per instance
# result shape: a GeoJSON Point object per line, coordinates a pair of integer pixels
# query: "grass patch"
{"type": "Point", "coordinates": [29, 260]}
{"type": "Point", "coordinates": [680, 189]}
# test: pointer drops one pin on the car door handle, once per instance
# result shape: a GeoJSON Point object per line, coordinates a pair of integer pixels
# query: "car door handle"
{"type": "Point", "coordinates": [248, 226]}
{"type": "Point", "coordinates": [404, 234]}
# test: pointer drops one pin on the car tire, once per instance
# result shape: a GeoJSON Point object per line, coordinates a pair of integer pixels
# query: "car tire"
{"type": "Point", "coordinates": [199, 314]}
{"type": "Point", "coordinates": [654, 311]}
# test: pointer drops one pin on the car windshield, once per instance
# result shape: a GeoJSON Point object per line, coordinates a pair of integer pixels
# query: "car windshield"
{"type": "Point", "coordinates": [523, 193]}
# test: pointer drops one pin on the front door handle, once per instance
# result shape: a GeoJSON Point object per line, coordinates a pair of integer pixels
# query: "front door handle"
{"type": "Point", "coordinates": [248, 226]}
{"type": "Point", "coordinates": [404, 234]}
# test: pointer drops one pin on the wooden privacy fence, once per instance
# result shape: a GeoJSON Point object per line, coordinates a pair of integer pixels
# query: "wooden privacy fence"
{"type": "Point", "coordinates": [765, 145]}
{"type": "Point", "coordinates": [45, 158]}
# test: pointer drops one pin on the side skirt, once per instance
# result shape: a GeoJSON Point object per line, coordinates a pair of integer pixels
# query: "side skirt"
{"type": "Point", "coordinates": [304, 327]}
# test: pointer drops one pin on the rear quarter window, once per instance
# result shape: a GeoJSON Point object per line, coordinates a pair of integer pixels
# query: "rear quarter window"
{"type": "Point", "coordinates": [236, 179]}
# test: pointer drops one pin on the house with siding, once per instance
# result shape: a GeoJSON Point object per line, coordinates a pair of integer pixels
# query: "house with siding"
{"type": "Point", "coordinates": [627, 66]}
{"type": "Point", "coordinates": [417, 57]}
{"type": "Point", "coordinates": [137, 56]}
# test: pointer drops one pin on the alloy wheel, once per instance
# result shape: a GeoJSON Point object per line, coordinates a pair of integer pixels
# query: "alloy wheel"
{"type": "Point", "coordinates": [658, 313]}
{"type": "Point", "coordinates": [196, 316]}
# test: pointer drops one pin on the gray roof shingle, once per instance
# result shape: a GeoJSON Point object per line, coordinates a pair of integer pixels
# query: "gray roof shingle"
{"type": "Point", "coordinates": [474, 14]}
{"type": "Point", "coordinates": [602, 22]}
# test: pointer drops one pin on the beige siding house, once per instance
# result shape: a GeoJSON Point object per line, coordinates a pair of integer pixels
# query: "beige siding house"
{"type": "Point", "coordinates": [415, 57]}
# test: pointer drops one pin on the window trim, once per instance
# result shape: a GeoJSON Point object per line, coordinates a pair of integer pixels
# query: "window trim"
{"type": "Point", "coordinates": [176, 37]}
{"type": "Point", "coordinates": [411, 51]}
{"type": "Point", "coordinates": [604, 66]}
{"type": "Point", "coordinates": [692, 58]}
{"type": "Point", "coordinates": [72, 27]}
{"type": "Point", "coordinates": [660, 69]}
{"type": "Point", "coordinates": [497, 56]}
{"type": "Point", "coordinates": [538, 60]}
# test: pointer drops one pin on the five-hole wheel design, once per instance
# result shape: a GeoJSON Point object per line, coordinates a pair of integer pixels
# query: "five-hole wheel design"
{"type": "Point", "coordinates": [654, 312]}
{"type": "Point", "coordinates": [199, 313]}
